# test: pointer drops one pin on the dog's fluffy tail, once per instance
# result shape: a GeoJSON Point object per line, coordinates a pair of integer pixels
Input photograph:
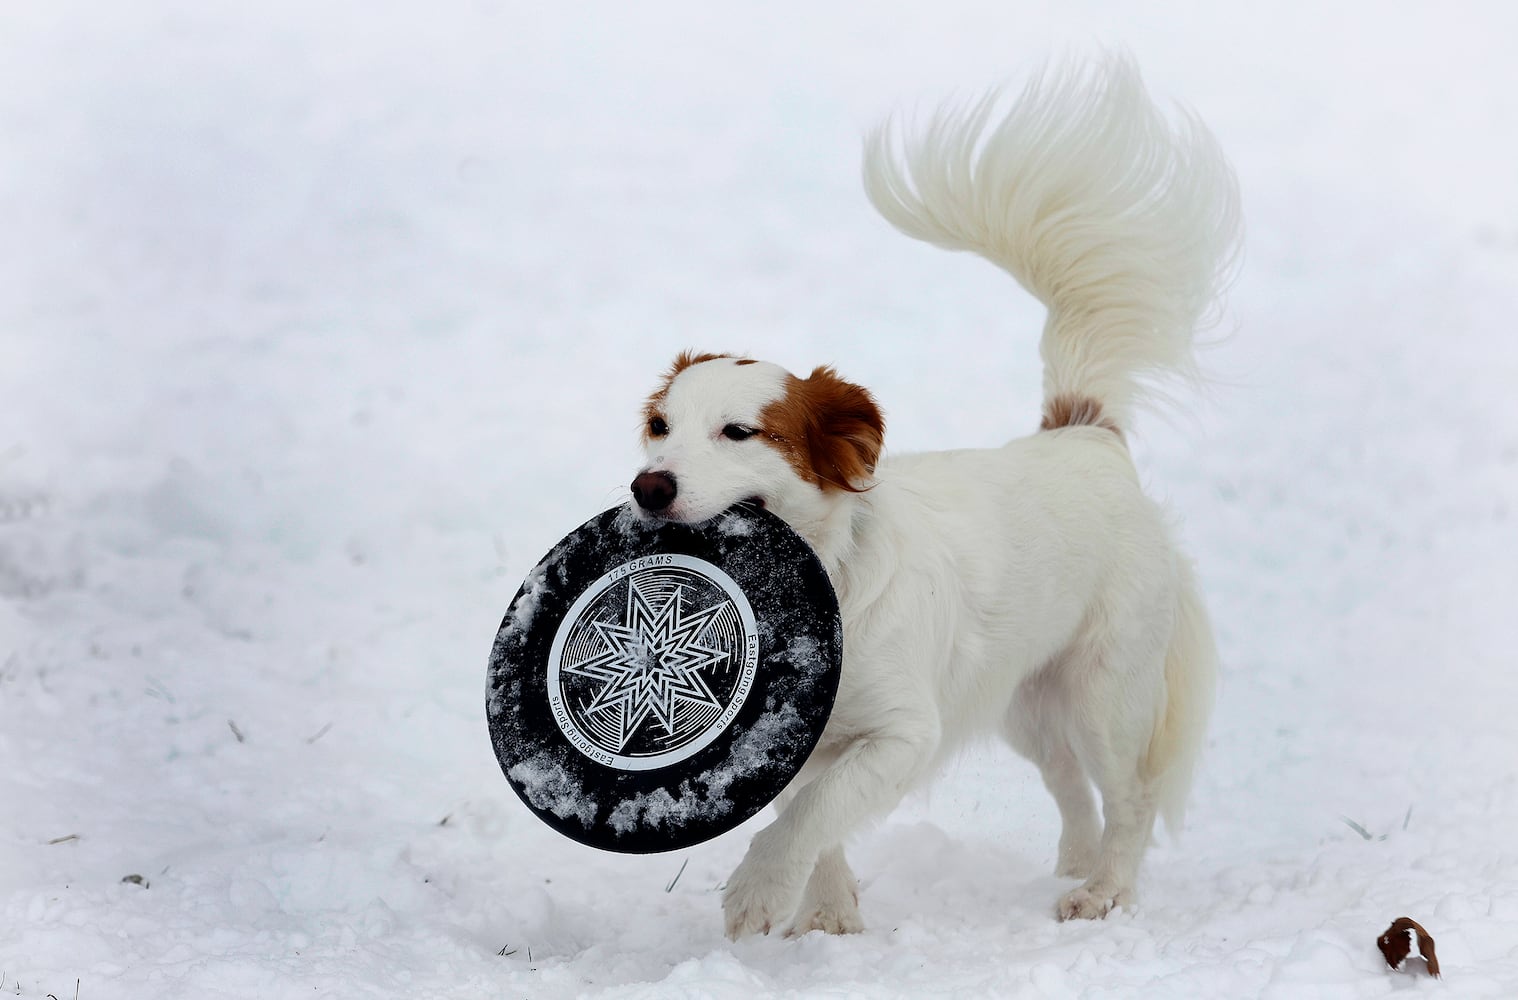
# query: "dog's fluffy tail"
{"type": "Point", "coordinates": [1124, 225]}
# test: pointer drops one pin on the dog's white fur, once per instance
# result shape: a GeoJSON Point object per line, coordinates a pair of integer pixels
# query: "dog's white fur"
{"type": "Point", "coordinates": [1031, 590]}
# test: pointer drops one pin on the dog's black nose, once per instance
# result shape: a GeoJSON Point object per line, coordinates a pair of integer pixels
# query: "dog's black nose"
{"type": "Point", "coordinates": [654, 491]}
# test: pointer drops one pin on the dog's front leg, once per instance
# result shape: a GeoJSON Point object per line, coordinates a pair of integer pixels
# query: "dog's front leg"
{"type": "Point", "coordinates": [867, 780]}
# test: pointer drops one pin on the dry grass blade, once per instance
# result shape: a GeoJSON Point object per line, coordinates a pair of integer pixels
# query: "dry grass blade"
{"type": "Point", "coordinates": [1356, 827]}
{"type": "Point", "coordinates": [671, 886]}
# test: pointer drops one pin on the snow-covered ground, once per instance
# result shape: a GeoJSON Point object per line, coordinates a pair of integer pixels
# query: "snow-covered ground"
{"type": "Point", "coordinates": [321, 322]}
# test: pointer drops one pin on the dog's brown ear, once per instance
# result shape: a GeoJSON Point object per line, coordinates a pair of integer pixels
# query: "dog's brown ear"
{"type": "Point", "coordinates": [832, 428]}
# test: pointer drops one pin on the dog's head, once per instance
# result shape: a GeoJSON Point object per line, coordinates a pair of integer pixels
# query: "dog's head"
{"type": "Point", "coordinates": [720, 430]}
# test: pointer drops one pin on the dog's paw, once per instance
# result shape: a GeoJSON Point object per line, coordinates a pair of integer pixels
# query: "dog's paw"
{"type": "Point", "coordinates": [828, 920]}
{"type": "Point", "coordinates": [831, 901]}
{"type": "Point", "coordinates": [758, 897]}
{"type": "Point", "coordinates": [752, 908]}
{"type": "Point", "coordinates": [1083, 904]}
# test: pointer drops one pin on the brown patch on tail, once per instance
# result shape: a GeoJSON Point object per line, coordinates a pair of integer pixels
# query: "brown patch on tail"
{"type": "Point", "coordinates": [830, 430]}
{"type": "Point", "coordinates": [1066, 410]}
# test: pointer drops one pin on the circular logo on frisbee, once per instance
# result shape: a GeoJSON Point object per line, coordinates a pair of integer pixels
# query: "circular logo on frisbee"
{"type": "Point", "coordinates": [652, 662]}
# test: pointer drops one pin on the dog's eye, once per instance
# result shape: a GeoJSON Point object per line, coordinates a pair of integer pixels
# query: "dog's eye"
{"type": "Point", "coordinates": [657, 427]}
{"type": "Point", "coordinates": [737, 432]}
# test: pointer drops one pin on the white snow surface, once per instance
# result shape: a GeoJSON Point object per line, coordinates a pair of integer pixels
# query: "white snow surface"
{"type": "Point", "coordinates": [321, 323]}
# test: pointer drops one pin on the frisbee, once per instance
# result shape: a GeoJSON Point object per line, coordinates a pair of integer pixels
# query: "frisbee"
{"type": "Point", "coordinates": [655, 684]}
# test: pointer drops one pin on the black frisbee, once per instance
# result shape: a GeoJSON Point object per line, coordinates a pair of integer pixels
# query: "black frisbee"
{"type": "Point", "coordinates": [655, 685]}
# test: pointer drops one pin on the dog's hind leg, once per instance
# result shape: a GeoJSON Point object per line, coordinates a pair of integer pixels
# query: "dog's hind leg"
{"type": "Point", "coordinates": [1114, 676]}
{"type": "Point", "coordinates": [1080, 830]}
{"type": "Point", "coordinates": [1146, 685]}
{"type": "Point", "coordinates": [1128, 809]}
{"type": "Point", "coordinates": [1031, 730]}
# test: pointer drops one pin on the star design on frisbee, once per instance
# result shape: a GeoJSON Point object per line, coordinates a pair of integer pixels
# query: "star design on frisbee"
{"type": "Point", "coordinates": [651, 664]}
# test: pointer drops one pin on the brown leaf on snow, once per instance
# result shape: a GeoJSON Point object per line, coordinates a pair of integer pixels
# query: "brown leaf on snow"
{"type": "Point", "coordinates": [1396, 943]}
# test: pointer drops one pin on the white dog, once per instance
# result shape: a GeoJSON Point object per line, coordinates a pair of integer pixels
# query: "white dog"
{"type": "Point", "coordinates": [1030, 590]}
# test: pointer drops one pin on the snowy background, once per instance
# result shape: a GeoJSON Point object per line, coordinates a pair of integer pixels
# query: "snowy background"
{"type": "Point", "coordinates": [321, 323]}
